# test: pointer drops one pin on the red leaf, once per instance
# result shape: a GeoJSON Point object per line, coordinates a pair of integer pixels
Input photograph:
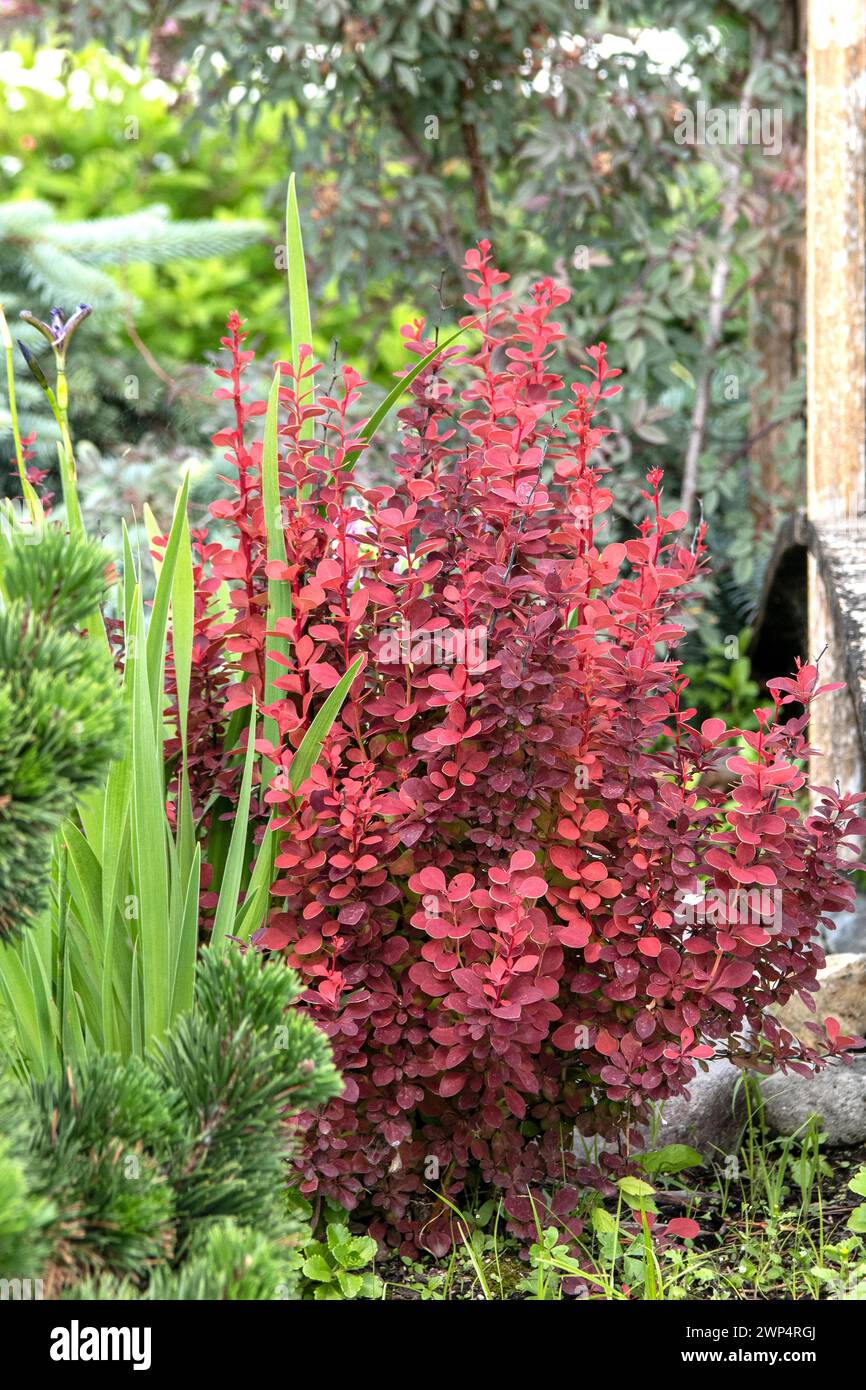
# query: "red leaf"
{"type": "Point", "coordinates": [605, 1044]}
{"type": "Point", "coordinates": [684, 1227]}
{"type": "Point", "coordinates": [531, 887]}
{"type": "Point", "coordinates": [452, 1084]}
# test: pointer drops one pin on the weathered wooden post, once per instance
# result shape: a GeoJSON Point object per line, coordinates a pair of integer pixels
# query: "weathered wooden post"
{"type": "Point", "coordinates": [836, 372]}
{"type": "Point", "coordinates": [778, 314]}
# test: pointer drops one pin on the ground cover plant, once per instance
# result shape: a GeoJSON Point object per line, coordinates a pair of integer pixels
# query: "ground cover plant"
{"type": "Point", "coordinates": [773, 1221]}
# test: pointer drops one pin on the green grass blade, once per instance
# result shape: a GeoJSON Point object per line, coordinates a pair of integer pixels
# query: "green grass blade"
{"type": "Point", "coordinates": [183, 622]}
{"type": "Point", "coordinates": [300, 323]}
{"type": "Point", "coordinates": [115, 856]}
{"type": "Point", "coordinates": [153, 529]}
{"type": "Point", "coordinates": [252, 914]}
{"type": "Point", "coordinates": [230, 887]}
{"type": "Point", "coordinates": [182, 629]}
{"type": "Point", "coordinates": [69, 489]}
{"type": "Point", "coordinates": [219, 807]}
{"type": "Point", "coordinates": [74, 1047]}
{"type": "Point", "coordinates": [130, 579]}
{"type": "Point", "coordinates": [187, 941]}
{"type": "Point", "coordinates": [271, 476]}
{"type": "Point", "coordinates": [311, 744]}
{"type": "Point", "coordinates": [382, 411]}
{"type": "Point", "coordinates": [34, 505]}
{"type": "Point", "coordinates": [149, 830]}
{"type": "Point", "coordinates": [279, 590]}
{"type": "Point", "coordinates": [137, 1036]}
{"type": "Point", "coordinates": [32, 1029]}
{"type": "Point", "coordinates": [161, 599]}
{"type": "Point", "coordinates": [85, 876]}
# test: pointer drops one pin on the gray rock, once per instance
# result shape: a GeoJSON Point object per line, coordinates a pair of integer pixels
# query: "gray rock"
{"type": "Point", "coordinates": [838, 1095]}
{"type": "Point", "coordinates": [850, 932]}
{"type": "Point", "coordinates": [712, 1119]}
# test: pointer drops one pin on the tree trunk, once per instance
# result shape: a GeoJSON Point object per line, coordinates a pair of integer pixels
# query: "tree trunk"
{"type": "Point", "coordinates": [777, 323]}
{"type": "Point", "coordinates": [836, 327]}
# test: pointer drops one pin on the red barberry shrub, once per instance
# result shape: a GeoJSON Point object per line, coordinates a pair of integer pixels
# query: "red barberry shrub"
{"type": "Point", "coordinates": [512, 886]}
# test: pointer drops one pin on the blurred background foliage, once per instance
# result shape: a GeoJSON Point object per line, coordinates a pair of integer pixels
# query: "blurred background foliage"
{"type": "Point", "coordinates": [548, 126]}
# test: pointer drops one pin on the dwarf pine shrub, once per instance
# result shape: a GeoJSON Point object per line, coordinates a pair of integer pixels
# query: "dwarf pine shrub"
{"type": "Point", "coordinates": [165, 1176]}
{"type": "Point", "coordinates": [61, 713]}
